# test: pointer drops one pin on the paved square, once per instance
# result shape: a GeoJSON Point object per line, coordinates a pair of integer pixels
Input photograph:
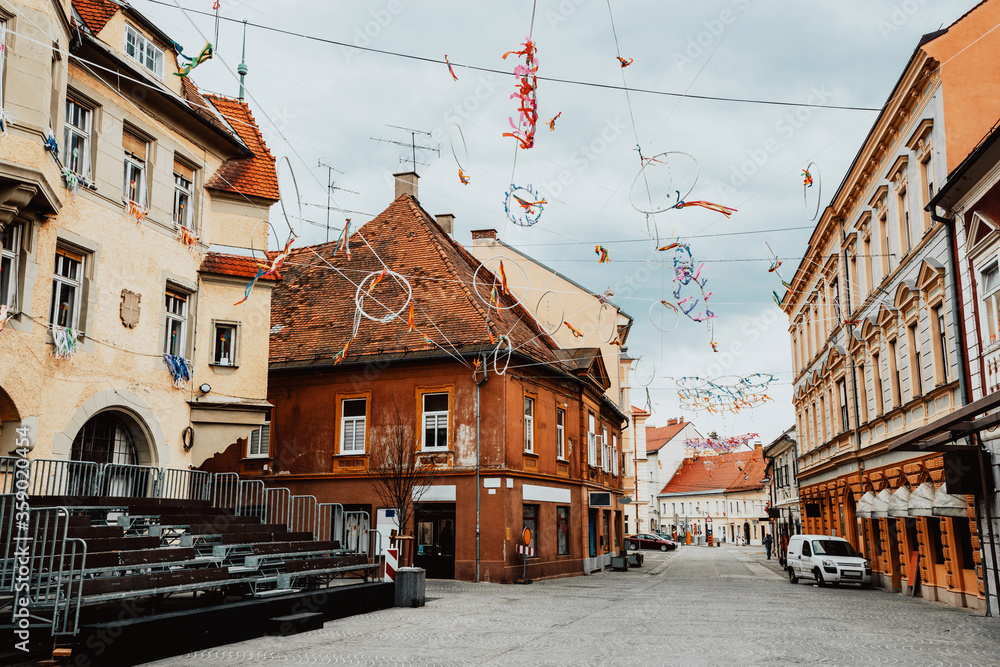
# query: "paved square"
{"type": "Point", "coordinates": [695, 606]}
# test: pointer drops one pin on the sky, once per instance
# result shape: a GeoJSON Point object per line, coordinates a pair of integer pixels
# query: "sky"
{"type": "Point", "coordinates": [318, 102]}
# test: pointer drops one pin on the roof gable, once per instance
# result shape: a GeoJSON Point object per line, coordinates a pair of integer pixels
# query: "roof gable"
{"type": "Point", "coordinates": [732, 472]}
{"type": "Point", "coordinates": [96, 13]}
{"type": "Point", "coordinates": [255, 176]}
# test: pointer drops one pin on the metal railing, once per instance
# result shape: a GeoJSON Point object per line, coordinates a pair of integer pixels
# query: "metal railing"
{"type": "Point", "coordinates": [120, 480]}
{"type": "Point", "coordinates": [55, 564]}
{"type": "Point", "coordinates": [225, 490]}
{"type": "Point", "coordinates": [278, 505]}
{"type": "Point", "coordinates": [186, 484]}
{"type": "Point", "coordinates": [251, 499]}
{"type": "Point", "coordinates": [329, 522]}
{"type": "Point", "coordinates": [356, 526]}
{"type": "Point", "coordinates": [304, 515]}
{"type": "Point", "coordinates": [57, 477]}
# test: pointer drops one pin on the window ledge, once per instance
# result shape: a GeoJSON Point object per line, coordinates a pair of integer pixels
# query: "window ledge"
{"type": "Point", "coordinates": [350, 454]}
{"type": "Point", "coordinates": [533, 455]}
{"type": "Point", "coordinates": [217, 365]}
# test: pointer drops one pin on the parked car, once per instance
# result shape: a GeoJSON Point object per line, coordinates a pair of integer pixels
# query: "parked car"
{"type": "Point", "coordinates": [826, 560]}
{"type": "Point", "coordinates": [649, 541]}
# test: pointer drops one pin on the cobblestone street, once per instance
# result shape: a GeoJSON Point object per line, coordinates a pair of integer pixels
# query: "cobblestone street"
{"type": "Point", "coordinates": [695, 606]}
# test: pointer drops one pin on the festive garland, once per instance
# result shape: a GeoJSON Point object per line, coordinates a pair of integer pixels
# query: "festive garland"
{"type": "Point", "coordinates": [66, 342]}
{"type": "Point", "coordinates": [527, 92]}
{"type": "Point", "coordinates": [179, 369]}
{"type": "Point", "coordinates": [531, 205]}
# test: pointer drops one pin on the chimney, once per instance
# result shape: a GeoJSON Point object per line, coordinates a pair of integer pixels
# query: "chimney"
{"type": "Point", "coordinates": [672, 422]}
{"type": "Point", "coordinates": [484, 236]}
{"type": "Point", "coordinates": [406, 184]}
{"type": "Point", "coordinates": [446, 221]}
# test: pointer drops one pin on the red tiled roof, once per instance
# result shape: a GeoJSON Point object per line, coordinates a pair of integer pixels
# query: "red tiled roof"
{"type": "Point", "coordinates": [221, 264]}
{"type": "Point", "coordinates": [657, 436]}
{"type": "Point", "coordinates": [199, 104]}
{"type": "Point", "coordinates": [315, 303]}
{"type": "Point", "coordinates": [640, 411]}
{"type": "Point", "coordinates": [256, 176]}
{"type": "Point", "coordinates": [710, 473]}
{"type": "Point", "coordinates": [96, 13]}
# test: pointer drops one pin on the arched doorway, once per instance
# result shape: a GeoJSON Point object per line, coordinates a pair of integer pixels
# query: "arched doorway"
{"type": "Point", "coordinates": [746, 532]}
{"type": "Point", "coordinates": [10, 419]}
{"type": "Point", "coordinates": [117, 441]}
{"type": "Point", "coordinates": [849, 519]}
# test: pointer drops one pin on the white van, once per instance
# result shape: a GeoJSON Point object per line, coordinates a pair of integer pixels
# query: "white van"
{"type": "Point", "coordinates": [826, 560]}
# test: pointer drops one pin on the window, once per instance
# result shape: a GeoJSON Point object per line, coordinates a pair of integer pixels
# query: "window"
{"type": "Point", "coordinates": [673, 508]}
{"type": "Point", "coordinates": [560, 433]}
{"type": "Point", "coordinates": [605, 463]}
{"type": "Point", "coordinates": [352, 425]}
{"type": "Point", "coordinates": [885, 244]}
{"type": "Point", "coordinates": [10, 247]}
{"type": "Point", "coordinates": [592, 442]}
{"type": "Point", "coordinates": [869, 265]}
{"type": "Point", "coordinates": [682, 508]}
{"type": "Point", "coordinates": [916, 364]}
{"type": "Point", "coordinates": [140, 49]}
{"type": "Point", "coordinates": [989, 287]}
{"type": "Point", "coordinates": [134, 183]}
{"type": "Point", "coordinates": [531, 523]}
{"type": "Point", "coordinates": [904, 214]}
{"type": "Point", "coordinates": [529, 424]}
{"type": "Point", "coordinates": [435, 421]}
{"type": "Point", "coordinates": [258, 445]}
{"type": "Point", "coordinates": [842, 390]}
{"type": "Point", "coordinates": [3, 52]}
{"type": "Point", "coordinates": [183, 195]}
{"type": "Point", "coordinates": [614, 455]}
{"type": "Point", "coordinates": [176, 331]}
{"type": "Point", "coordinates": [67, 287]}
{"type": "Point", "coordinates": [942, 342]}
{"type": "Point", "coordinates": [927, 171]}
{"type": "Point", "coordinates": [224, 349]}
{"type": "Point", "coordinates": [76, 138]}
{"type": "Point", "coordinates": [562, 531]}
{"type": "Point", "coordinates": [862, 382]}
{"type": "Point", "coordinates": [877, 384]}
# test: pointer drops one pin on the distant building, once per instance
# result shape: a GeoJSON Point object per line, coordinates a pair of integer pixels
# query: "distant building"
{"type": "Point", "coordinates": [782, 457]}
{"type": "Point", "coordinates": [664, 455]}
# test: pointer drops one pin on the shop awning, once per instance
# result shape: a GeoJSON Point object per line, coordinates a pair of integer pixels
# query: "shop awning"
{"type": "Point", "coordinates": [941, 434]}
{"type": "Point", "coordinates": [880, 505]}
{"type": "Point", "coordinates": [864, 506]}
{"type": "Point", "coordinates": [899, 503]}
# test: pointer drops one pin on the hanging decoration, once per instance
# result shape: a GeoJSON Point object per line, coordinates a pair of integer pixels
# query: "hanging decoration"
{"type": "Point", "coordinates": [552, 121]}
{"type": "Point", "coordinates": [460, 149]}
{"type": "Point", "coordinates": [135, 211]}
{"type": "Point", "coordinates": [66, 342]}
{"type": "Point", "coordinates": [550, 311]}
{"type": "Point", "coordinates": [663, 180]}
{"type": "Point", "coordinates": [187, 237]}
{"type": "Point", "coordinates": [204, 56]}
{"type": "Point", "coordinates": [179, 369]}
{"type": "Point", "coordinates": [717, 396]}
{"type": "Point", "coordinates": [462, 177]}
{"type": "Point", "coordinates": [718, 208]}
{"type": "Point", "coordinates": [491, 291]}
{"type": "Point", "coordinates": [337, 360]}
{"type": "Point", "coordinates": [376, 277]}
{"type": "Point", "coordinates": [607, 327]}
{"type": "Point", "coordinates": [5, 315]}
{"type": "Point", "coordinates": [451, 70]}
{"type": "Point", "coordinates": [706, 446]}
{"type": "Point", "coordinates": [526, 207]}
{"type": "Point", "coordinates": [775, 268]}
{"type": "Point", "coordinates": [269, 271]}
{"type": "Point", "coordinates": [344, 241]}
{"type": "Point", "coordinates": [52, 146]}
{"type": "Point", "coordinates": [527, 93]}
{"type": "Point", "coordinates": [668, 307]}
{"type": "Point", "coordinates": [710, 465]}
{"type": "Point", "coordinates": [807, 178]}
{"type": "Point", "coordinates": [409, 319]}
{"type": "Point", "coordinates": [603, 253]}
{"type": "Point", "coordinates": [811, 177]}
{"type": "Point", "coordinates": [649, 402]}
{"type": "Point", "coordinates": [644, 371]}
{"type": "Point", "coordinates": [5, 119]}
{"type": "Point", "coordinates": [623, 62]}
{"type": "Point", "coordinates": [575, 332]}
{"type": "Point", "coordinates": [71, 180]}
{"type": "Point", "coordinates": [687, 278]}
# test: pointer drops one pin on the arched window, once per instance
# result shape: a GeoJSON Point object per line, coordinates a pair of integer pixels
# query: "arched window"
{"type": "Point", "coordinates": [104, 439]}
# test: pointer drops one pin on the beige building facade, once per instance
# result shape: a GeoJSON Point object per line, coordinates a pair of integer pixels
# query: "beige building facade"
{"type": "Point", "coordinates": [126, 238]}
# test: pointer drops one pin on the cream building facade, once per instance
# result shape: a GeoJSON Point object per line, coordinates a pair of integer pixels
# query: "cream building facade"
{"type": "Point", "coordinates": [112, 237]}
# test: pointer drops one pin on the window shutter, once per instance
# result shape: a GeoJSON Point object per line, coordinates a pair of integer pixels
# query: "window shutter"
{"type": "Point", "coordinates": [134, 145]}
{"type": "Point", "coordinates": [254, 447]}
{"type": "Point", "coordinates": [182, 169]}
{"type": "Point", "coordinates": [265, 439]}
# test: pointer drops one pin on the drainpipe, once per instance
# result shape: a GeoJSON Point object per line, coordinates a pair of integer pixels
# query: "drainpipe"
{"type": "Point", "coordinates": [479, 384]}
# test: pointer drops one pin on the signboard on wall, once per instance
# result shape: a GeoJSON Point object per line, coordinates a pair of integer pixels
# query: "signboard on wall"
{"type": "Point", "coordinates": [600, 499]}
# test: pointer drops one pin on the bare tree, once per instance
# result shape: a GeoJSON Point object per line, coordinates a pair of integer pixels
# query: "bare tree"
{"type": "Point", "coordinates": [395, 473]}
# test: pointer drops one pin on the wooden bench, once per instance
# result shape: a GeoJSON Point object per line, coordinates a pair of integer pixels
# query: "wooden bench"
{"type": "Point", "coordinates": [106, 589]}
{"type": "Point", "coordinates": [325, 567]}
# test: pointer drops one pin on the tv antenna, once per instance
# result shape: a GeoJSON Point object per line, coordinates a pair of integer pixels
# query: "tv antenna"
{"type": "Point", "coordinates": [412, 145]}
{"type": "Point", "coordinates": [330, 187]}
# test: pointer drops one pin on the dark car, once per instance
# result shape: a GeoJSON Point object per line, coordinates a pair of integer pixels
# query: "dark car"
{"type": "Point", "coordinates": [649, 541]}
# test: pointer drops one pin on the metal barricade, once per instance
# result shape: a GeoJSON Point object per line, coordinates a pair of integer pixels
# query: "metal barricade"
{"type": "Point", "coordinates": [57, 477]}
{"type": "Point", "coordinates": [122, 480]}
{"type": "Point", "coordinates": [329, 522]}
{"type": "Point", "coordinates": [356, 526]}
{"type": "Point", "coordinates": [225, 490]}
{"type": "Point", "coordinates": [251, 499]}
{"type": "Point", "coordinates": [8, 465]}
{"type": "Point", "coordinates": [278, 501]}
{"type": "Point", "coordinates": [55, 563]}
{"type": "Point", "coordinates": [304, 512]}
{"type": "Point", "coordinates": [8, 509]}
{"type": "Point", "coordinates": [185, 484]}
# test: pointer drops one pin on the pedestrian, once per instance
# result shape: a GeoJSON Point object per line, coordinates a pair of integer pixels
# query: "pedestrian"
{"type": "Point", "coordinates": [767, 544]}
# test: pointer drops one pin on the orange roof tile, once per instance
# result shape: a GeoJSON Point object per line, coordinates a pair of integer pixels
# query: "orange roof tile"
{"type": "Point", "coordinates": [315, 301]}
{"type": "Point", "coordinates": [199, 104]}
{"type": "Point", "coordinates": [222, 264]}
{"type": "Point", "coordinates": [736, 471]}
{"type": "Point", "coordinates": [256, 176]}
{"type": "Point", "coordinates": [657, 436]}
{"type": "Point", "coordinates": [96, 13]}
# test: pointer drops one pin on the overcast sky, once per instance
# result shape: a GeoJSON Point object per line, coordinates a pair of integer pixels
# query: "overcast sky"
{"type": "Point", "coordinates": [317, 101]}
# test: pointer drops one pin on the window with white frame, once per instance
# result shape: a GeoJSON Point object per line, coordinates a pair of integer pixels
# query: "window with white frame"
{"type": "Point", "coordinates": [67, 289]}
{"type": "Point", "coordinates": [175, 336]}
{"type": "Point", "coordinates": [3, 57]}
{"type": "Point", "coordinates": [134, 182]}
{"type": "Point", "coordinates": [560, 433]}
{"type": "Point", "coordinates": [942, 342]}
{"type": "Point", "coordinates": [529, 424]}
{"type": "Point", "coordinates": [592, 441]}
{"type": "Point", "coordinates": [183, 195]}
{"type": "Point", "coordinates": [224, 348]}
{"type": "Point", "coordinates": [989, 288]}
{"type": "Point", "coordinates": [76, 138]}
{"type": "Point", "coordinates": [916, 361]}
{"type": "Point", "coordinates": [605, 447]}
{"type": "Point", "coordinates": [435, 421]}
{"type": "Point", "coordinates": [259, 442]}
{"type": "Point", "coordinates": [673, 508]}
{"type": "Point", "coordinates": [139, 48]}
{"type": "Point", "coordinates": [10, 248]}
{"type": "Point", "coordinates": [352, 425]}
{"type": "Point", "coordinates": [614, 455]}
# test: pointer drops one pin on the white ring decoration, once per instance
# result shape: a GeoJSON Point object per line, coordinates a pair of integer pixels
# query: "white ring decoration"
{"type": "Point", "coordinates": [677, 316]}
{"type": "Point", "coordinates": [496, 352]}
{"type": "Point", "coordinates": [600, 328]}
{"type": "Point", "coordinates": [644, 366]}
{"type": "Point", "coordinates": [559, 320]}
{"type": "Point", "coordinates": [298, 197]}
{"type": "Point", "coordinates": [819, 190]}
{"type": "Point", "coordinates": [496, 281]}
{"type": "Point", "coordinates": [359, 299]}
{"type": "Point", "coordinates": [652, 209]}
{"type": "Point", "coordinates": [465, 148]}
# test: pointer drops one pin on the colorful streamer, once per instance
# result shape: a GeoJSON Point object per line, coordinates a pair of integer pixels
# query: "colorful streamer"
{"type": "Point", "coordinates": [5, 315]}
{"type": "Point", "coordinates": [52, 146]}
{"type": "Point", "coordinates": [503, 280]}
{"type": "Point", "coordinates": [552, 121]}
{"type": "Point", "coordinates": [530, 203]}
{"type": "Point", "coordinates": [344, 242]}
{"type": "Point", "coordinates": [718, 208]}
{"type": "Point", "coordinates": [625, 63]}
{"type": "Point", "coordinates": [179, 369]}
{"type": "Point", "coordinates": [463, 177]}
{"type": "Point", "coordinates": [187, 237]}
{"type": "Point", "coordinates": [603, 252]}
{"type": "Point", "coordinates": [451, 71]}
{"type": "Point", "coordinates": [204, 56]}
{"type": "Point", "coordinates": [527, 92]}
{"type": "Point", "coordinates": [136, 211]}
{"type": "Point", "coordinates": [269, 272]}
{"type": "Point", "coordinates": [807, 179]}
{"type": "Point", "coordinates": [409, 319]}
{"type": "Point", "coordinates": [337, 360]}
{"type": "Point", "coordinates": [576, 334]}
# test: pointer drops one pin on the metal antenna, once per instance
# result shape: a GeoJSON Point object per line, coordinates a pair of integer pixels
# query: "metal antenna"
{"type": "Point", "coordinates": [412, 145]}
{"type": "Point", "coordinates": [329, 192]}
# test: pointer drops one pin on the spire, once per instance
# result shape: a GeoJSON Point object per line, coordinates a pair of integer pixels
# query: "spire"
{"type": "Point", "coordinates": [242, 69]}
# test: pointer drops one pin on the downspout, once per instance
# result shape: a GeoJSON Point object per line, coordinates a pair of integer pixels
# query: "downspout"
{"type": "Point", "coordinates": [479, 383]}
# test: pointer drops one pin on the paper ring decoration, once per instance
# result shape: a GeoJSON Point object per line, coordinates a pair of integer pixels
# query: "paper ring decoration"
{"type": "Point", "coordinates": [362, 292]}
{"type": "Point", "coordinates": [496, 354]}
{"type": "Point", "coordinates": [253, 233]}
{"type": "Point", "coordinates": [464, 149]}
{"type": "Point", "coordinates": [546, 302]}
{"type": "Point", "coordinates": [527, 201]}
{"type": "Point", "coordinates": [606, 320]}
{"type": "Point", "coordinates": [496, 281]}
{"type": "Point", "coordinates": [644, 370]}
{"type": "Point", "coordinates": [677, 317]}
{"type": "Point", "coordinates": [298, 198]}
{"type": "Point", "coordinates": [673, 190]}
{"type": "Point", "coordinates": [812, 211]}
{"type": "Point", "coordinates": [710, 324]}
